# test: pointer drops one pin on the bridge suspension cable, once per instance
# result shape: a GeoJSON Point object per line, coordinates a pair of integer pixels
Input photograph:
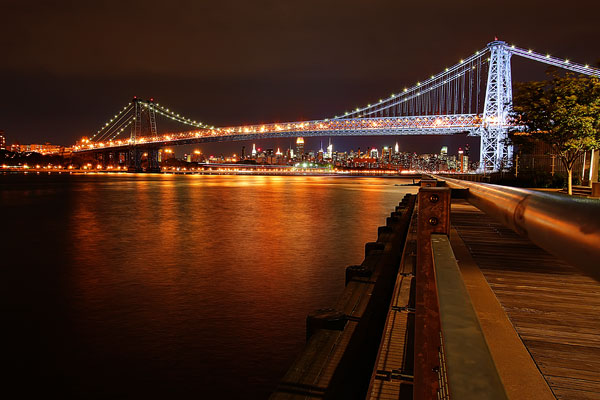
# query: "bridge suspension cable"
{"type": "Point", "coordinates": [455, 90]}
{"type": "Point", "coordinates": [567, 64]}
{"type": "Point", "coordinates": [178, 118]}
{"type": "Point", "coordinates": [117, 126]}
{"type": "Point", "coordinates": [127, 116]}
{"type": "Point", "coordinates": [102, 131]}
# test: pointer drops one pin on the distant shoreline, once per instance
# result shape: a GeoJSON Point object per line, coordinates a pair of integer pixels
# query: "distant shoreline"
{"type": "Point", "coordinates": [41, 171]}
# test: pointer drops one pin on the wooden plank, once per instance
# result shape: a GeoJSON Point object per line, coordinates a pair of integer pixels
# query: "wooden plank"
{"type": "Point", "coordinates": [516, 368]}
{"type": "Point", "coordinates": [553, 306]}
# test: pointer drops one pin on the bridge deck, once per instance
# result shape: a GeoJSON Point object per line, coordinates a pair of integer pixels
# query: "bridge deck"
{"type": "Point", "coordinates": [552, 306]}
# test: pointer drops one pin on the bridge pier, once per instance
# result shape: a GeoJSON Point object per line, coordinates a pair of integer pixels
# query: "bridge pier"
{"type": "Point", "coordinates": [153, 165]}
{"type": "Point", "coordinates": [134, 162]}
{"type": "Point", "coordinates": [135, 155]}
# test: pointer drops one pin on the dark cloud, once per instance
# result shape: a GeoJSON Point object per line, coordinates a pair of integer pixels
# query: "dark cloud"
{"type": "Point", "coordinates": [67, 65]}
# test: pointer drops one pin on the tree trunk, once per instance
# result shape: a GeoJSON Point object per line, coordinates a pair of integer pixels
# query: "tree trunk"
{"type": "Point", "coordinates": [570, 181]}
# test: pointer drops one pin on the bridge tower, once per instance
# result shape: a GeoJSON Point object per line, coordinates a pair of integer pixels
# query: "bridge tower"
{"type": "Point", "coordinates": [496, 154]}
{"type": "Point", "coordinates": [141, 109]}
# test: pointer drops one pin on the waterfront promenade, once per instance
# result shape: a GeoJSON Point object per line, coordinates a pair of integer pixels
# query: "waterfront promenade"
{"type": "Point", "coordinates": [536, 313]}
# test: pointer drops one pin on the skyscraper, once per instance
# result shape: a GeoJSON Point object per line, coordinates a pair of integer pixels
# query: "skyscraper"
{"type": "Point", "coordinates": [386, 154]}
{"type": "Point", "coordinates": [444, 153]}
{"type": "Point", "coordinates": [300, 148]}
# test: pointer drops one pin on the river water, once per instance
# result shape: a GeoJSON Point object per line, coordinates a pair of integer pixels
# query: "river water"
{"type": "Point", "coordinates": [148, 286]}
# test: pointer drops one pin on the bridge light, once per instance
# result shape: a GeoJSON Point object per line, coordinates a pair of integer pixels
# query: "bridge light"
{"type": "Point", "coordinates": [529, 51]}
{"type": "Point", "coordinates": [512, 47]}
{"type": "Point", "coordinates": [405, 89]}
{"type": "Point", "coordinates": [447, 69]}
{"type": "Point", "coordinates": [566, 60]}
{"type": "Point", "coordinates": [380, 100]}
{"type": "Point", "coordinates": [477, 53]}
{"type": "Point", "coordinates": [418, 83]}
{"type": "Point", "coordinates": [462, 61]}
{"type": "Point", "coordinates": [586, 66]}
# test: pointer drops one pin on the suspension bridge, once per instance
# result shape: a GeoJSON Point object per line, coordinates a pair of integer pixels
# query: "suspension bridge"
{"type": "Point", "coordinates": [473, 96]}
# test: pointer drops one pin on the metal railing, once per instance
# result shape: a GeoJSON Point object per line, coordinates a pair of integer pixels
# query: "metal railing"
{"type": "Point", "coordinates": [466, 359]}
{"type": "Point", "coordinates": [452, 357]}
{"type": "Point", "coordinates": [567, 227]}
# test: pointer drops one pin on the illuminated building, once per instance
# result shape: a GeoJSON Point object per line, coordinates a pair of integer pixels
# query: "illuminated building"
{"type": "Point", "coordinates": [396, 148]}
{"type": "Point", "coordinates": [2, 140]}
{"type": "Point", "coordinates": [253, 150]}
{"type": "Point", "coordinates": [386, 154]}
{"type": "Point", "coordinates": [44, 149]}
{"type": "Point", "coordinates": [374, 153]}
{"type": "Point", "coordinates": [463, 161]}
{"type": "Point", "coordinates": [300, 148]}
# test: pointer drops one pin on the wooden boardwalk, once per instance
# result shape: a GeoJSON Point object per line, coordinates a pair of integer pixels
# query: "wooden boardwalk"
{"type": "Point", "coordinates": [554, 308]}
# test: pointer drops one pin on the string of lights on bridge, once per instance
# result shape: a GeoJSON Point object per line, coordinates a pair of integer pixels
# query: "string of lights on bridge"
{"type": "Point", "coordinates": [423, 87]}
{"type": "Point", "coordinates": [178, 118]}
{"type": "Point", "coordinates": [360, 118]}
{"type": "Point", "coordinates": [108, 123]}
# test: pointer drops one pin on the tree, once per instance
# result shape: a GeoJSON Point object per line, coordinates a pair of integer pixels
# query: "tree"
{"type": "Point", "coordinates": [563, 112]}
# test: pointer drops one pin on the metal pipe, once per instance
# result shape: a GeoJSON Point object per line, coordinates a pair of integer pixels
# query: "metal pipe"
{"type": "Point", "coordinates": [567, 227]}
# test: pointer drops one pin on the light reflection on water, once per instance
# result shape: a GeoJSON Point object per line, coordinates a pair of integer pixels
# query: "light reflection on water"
{"type": "Point", "coordinates": [146, 286]}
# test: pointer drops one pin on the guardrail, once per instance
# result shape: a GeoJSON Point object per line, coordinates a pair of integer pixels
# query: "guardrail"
{"type": "Point", "coordinates": [564, 226]}
{"type": "Point", "coordinates": [466, 362]}
{"type": "Point", "coordinates": [452, 358]}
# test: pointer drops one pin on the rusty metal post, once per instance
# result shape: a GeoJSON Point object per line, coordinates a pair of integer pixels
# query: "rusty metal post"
{"type": "Point", "coordinates": [433, 217]}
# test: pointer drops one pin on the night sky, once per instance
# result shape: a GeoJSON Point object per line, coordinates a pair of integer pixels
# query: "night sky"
{"type": "Point", "coordinates": [68, 66]}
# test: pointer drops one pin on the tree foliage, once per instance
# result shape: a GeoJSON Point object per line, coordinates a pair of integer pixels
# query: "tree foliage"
{"type": "Point", "coordinates": [563, 112]}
